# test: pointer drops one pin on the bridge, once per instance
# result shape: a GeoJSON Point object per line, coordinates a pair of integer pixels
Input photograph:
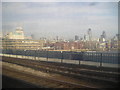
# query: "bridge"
{"type": "Point", "coordinates": [101, 59]}
{"type": "Point", "coordinates": [62, 69]}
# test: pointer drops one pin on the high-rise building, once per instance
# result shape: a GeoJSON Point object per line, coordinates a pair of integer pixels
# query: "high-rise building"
{"type": "Point", "coordinates": [76, 37]}
{"type": "Point", "coordinates": [57, 38]}
{"type": "Point", "coordinates": [84, 37]}
{"type": "Point", "coordinates": [104, 34]}
{"type": "Point", "coordinates": [102, 37]}
{"type": "Point", "coordinates": [90, 34]}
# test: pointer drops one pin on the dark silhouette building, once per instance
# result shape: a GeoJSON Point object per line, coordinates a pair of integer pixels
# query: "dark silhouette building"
{"type": "Point", "coordinates": [76, 37]}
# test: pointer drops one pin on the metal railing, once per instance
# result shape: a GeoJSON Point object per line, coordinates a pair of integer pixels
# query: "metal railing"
{"type": "Point", "coordinates": [100, 57]}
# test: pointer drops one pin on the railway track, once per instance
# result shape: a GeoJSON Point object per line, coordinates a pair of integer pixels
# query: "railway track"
{"type": "Point", "coordinates": [82, 73]}
{"type": "Point", "coordinates": [40, 81]}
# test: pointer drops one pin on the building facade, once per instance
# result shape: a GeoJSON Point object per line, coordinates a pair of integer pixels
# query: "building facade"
{"type": "Point", "coordinates": [18, 34]}
{"type": "Point", "coordinates": [17, 40]}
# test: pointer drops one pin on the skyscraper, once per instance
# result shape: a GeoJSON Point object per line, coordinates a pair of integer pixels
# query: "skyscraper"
{"type": "Point", "coordinates": [89, 34]}
{"type": "Point", "coordinates": [76, 37]}
{"type": "Point", "coordinates": [57, 38]}
{"type": "Point", "coordinates": [104, 34]}
{"type": "Point", "coordinates": [84, 37]}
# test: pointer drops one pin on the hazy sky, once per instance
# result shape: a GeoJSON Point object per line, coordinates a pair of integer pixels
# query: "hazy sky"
{"type": "Point", "coordinates": [63, 19]}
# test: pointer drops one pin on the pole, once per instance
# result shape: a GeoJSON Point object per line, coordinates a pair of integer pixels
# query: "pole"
{"type": "Point", "coordinates": [82, 53]}
{"type": "Point", "coordinates": [100, 59]}
{"type": "Point", "coordinates": [79, 59]}
{"type": "Point", "coordinates": [47, 55]}
{"type": "Point", "coordinates": [35, 55]}
{"type": "Point", "coordinates": [16, 52]}
{"type": "Point", "coordinates": [22, 54]}
{"type": "Point", "coordinates": [61, 57]}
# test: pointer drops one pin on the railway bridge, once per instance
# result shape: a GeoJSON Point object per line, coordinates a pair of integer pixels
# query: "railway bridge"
{"type": "Point", "coordinates": [36, 69]}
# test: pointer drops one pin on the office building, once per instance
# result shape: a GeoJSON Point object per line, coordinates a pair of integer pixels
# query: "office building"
{"type": "Point", "coordinates": [76, 37]}
{"type": "Point", "coordinates": [17, 40]}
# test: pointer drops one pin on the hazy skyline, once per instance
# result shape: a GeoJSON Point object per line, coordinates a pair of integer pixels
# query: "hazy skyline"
{"type": "Point", "coordinates": [64, 19]}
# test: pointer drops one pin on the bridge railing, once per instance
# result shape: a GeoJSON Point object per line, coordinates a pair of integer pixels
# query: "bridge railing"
{"type": "Point", "coordinates": [101, 57]}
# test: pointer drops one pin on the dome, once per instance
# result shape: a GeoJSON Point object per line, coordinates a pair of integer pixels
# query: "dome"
{"type": "Point", "coordinates": [19, 28]}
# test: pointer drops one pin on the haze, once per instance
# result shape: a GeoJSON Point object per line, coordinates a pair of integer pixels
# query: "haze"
{"type": "Point", "coordinates": [63, 19]}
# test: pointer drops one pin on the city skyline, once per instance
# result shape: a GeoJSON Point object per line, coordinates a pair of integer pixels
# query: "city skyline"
{"type": "Point", "coordinates": [64, 19]}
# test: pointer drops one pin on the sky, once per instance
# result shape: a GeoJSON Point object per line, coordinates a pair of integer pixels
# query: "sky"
{"type": "Point", "coordinates": [63, 19]}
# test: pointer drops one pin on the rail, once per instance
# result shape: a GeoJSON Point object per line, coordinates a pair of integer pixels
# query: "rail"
{"type": "Point", "coordinates": [99, 57]}
{"type": "Point", "coordinates": [106, 77]}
